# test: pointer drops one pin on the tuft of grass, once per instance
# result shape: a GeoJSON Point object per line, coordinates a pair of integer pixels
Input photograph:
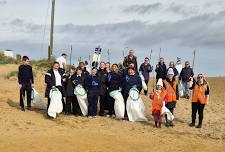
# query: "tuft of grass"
{"type": "Point", "coordinates": [11, 74]}
{"type": "Point", "coordinates": [6, 60]}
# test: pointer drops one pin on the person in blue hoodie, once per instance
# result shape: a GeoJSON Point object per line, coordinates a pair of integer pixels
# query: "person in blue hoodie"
{"type": "Point", "coordinates": [114, 82]}
{"type": "Point", "coordinates": [93, 85]}
{"type": "Point", "coordinates": [131, 80]}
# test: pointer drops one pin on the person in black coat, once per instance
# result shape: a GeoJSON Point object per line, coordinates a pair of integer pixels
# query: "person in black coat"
{"type": "Point", "coordinates": [69, 86]}
{"type": "Point", "coordinates": [161, 70]}
{"type": "Point", "coordinates": [145, 69]}
{"type": "Point", "coordinates": [132, 80]}
{"type": "Point", "coordinates": [54, 78]}
{"type": "Point", "coordinates": [93, 85]}
{"type": "Point", "coordinates": [131, 58]}
{"type": "Point", "coordinates": [102, 74]}
{"type": "Point", "coordinates": [26, 82]}
{"type": "Point", "coordinates": [114, 82]}
{"type": "Point", "coordinates": [185, 76]}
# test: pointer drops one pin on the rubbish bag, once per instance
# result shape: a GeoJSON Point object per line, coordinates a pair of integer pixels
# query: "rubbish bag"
{"type": "Point", "coordinates": [81, 95]}
{"type": "Point", "coordinates": [166, 111]}
{"type": "Point", "coordinates": [144, 86]}
{"type": "Point", "coordinates": [181, 90]}
{"type": "Point", "coordinates": [37, 100]}
{"type": "Point", "coordinates": [56, 105]}
{"type": "Point", "coordinates": [119, 106]}
{"type": "Point", "coordinates": [135, 106]}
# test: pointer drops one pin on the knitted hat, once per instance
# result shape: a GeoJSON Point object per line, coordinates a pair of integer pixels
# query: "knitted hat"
{"type": "Point", "coordinates": [160, 82]}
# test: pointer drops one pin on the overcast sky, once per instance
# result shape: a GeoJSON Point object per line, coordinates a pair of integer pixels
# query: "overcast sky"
{"type": "Point", "coordinates": [176, 26]}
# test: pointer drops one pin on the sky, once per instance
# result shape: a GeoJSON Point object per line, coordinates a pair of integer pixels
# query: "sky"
{"type": "Point", "coordinates": [176, 26]}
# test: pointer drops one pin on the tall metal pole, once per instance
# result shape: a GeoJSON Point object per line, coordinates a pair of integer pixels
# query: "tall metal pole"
{"type": "Point", "coordinates": [194, 60]}
{"type": "Point", "coordinates": [52, 30]}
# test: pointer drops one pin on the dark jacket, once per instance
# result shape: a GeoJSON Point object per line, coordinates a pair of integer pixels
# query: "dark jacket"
{"type": "Point", "coordinates": [93, 84]}
{"type": "Point", "coordinates": [128, 60]}
{"type": "Point", "coordinates": [103, 74]}
{"type": "Point", "coordinates": [25, 74]}
{"type": "Point", "coordinates": [185, 74]}
{"type": "Point", "coordinates": [50, 81]}
{"type": "Point", "coordinates": [161, 71]}
{"type": "Point", "coordinates": [78, 80]}
{"type": "Point", "coordinates": [114, 81]}
{"type": "Point", "coordinates": [145, 70]}
{"type": "Point", "coordinates": [130, 81]}
{"type": "Point", "coordinates": [69, 85]}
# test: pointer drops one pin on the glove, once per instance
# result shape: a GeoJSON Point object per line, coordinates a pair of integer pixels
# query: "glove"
{"type": "Point", "coordinates": [94, 83]}
{"type": "Point", "coordinates": [134, 86]}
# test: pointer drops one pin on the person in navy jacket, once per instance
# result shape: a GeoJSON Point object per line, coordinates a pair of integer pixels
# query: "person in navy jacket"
{"type": "Point", "coordinates": [114, 82]}
{"type": "Point", "coordinates": [131, 80]}
{"type": "Point", "coordinates": [93, 85]}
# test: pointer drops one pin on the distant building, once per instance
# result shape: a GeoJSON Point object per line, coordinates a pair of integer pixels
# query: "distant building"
{"type": "Point", "coordinates": [8, 53]}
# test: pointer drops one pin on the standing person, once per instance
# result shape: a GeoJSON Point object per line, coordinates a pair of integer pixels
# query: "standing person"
{"type": "Point", "coordinates": [185, 76]}
{"type": "Point", "coordinates": [172, 65]}
{"type": "Point", "coordinates": [93, 85]}
{"type": "Point", "coordinates": [107, 66]}
{"type": "Point", "coordinates": [77, 79]}
{"type": "Point", "coordinates": [85, 73]}
{"type": "Point", "coordinates": [26, 82]}
{"type": "Point", "coordinates": [179, 66]}
{"type": "Point", "coordinates": [145, 69]}
{"type": "Point", "coordinates": [114, 82]}
{"type": "Point", "coordinates": [161, 70]}
{"type": "Point", "coordinates": [103, 74]}
{"type": "Point", "coordinates": [158, 99]}
{"type": "Point", "coordinates": [54, 78]}
{"type": "Point", "coordinates": [62, 61]}
{"type": "Point", "coordinates": [131, 58]}
{"type": "Point", "coordinates": [171, 86]}
{"type": "Point", "coordinates": [87, 66]}
{"type": "Point", "coordinates": [200, 98]}
{"type": "Point", "coordinates": [69, 91]}
{"type": "Point", "coordinates": [129, 81]}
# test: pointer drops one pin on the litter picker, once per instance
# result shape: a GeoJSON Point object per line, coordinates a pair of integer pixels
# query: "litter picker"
{"type": "Point", "coordinates": [193, 64]}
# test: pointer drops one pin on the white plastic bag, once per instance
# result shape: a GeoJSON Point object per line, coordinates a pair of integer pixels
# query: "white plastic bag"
{"type": "Point", "coordinates": [119, 106]}
{"type": "Point", "coordinates": [135, 106]}
{"type": "Point", "coordinates": [37, 100]}
{"type": "Point", "coordinates": [181, 90]}
{"type": "Point", "coordinates": [166, 111]}
{"type": "Point", "coordinates": [144, 86]}
{"type": "Point", "coordinates": [56, 105]}
{"type": "Point", "coordinates": [81, 95]}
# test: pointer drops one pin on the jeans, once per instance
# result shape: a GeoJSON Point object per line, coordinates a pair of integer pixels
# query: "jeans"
{"type": "Point", "coordinates": [186, 89]}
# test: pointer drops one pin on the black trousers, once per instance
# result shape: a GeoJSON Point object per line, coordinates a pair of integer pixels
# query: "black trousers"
{"type": "Point", "coordinates": [111, 102]}
{"type": "Point", "coordinates": [103, 103]}
{"type": "Point", "coordinates": [72, 105]}
{"type": "Point", "coordinates": [146, 91]}
{"type": "Point", "coordinates": [26, 89]}
{"type": "Point", "coordinates": [125, 97]}
{"type": "Point", "coordinates": [197, 107]}
{"type": "Point", "coordinates": [92, 103]}
{"type": "Point", "coordinates": [170, 106]}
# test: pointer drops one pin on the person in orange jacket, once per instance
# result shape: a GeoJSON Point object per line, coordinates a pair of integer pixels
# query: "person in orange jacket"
{"type": "Point", "coordinates": [158, 99]}
{"type": "Point", "coordinates": [200, 98]}
{"type": "Point", "coordinates": [171, 86]}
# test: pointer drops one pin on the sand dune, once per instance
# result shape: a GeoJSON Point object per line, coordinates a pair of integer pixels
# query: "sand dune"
{"type": "Point", "coordinates": [32, 131]}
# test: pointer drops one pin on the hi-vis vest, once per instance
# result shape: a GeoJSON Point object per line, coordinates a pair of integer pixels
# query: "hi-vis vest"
{"type": "Point", "coordinates": [171, 91]}
{"type": "Point", "coordinates": [199, 94]}
{"type": "Point", "coordinates": [157, 101]}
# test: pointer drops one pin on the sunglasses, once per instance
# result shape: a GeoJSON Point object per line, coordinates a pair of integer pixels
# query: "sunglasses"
{"type": "Point", "coordinates": [200, 77]}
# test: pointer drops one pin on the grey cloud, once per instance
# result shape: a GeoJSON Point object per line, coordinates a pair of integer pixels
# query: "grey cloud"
{"type": "Point", "coordinates": [142, 9]}
{"type": "Point", "coordinates": [182, 9]}
{"type": "Point", "coordinates": [3, 2]}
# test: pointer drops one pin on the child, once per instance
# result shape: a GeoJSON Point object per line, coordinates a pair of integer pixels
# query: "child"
{"type": "Point", "coordinates": [26, 82]}
{"type": "Point", "coordinates": [93, 85]}
{"type": "Point", "coordinates": [158, 98]}
{"type": "Point", "coordinates": [69, 90]}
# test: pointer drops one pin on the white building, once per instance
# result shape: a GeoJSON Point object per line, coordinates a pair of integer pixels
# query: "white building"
{"type": "Point", "coordinates": [8, 53]}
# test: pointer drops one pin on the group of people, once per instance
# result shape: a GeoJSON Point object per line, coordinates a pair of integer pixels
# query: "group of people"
{"type": "Point", "coordinates": [100, 82]}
